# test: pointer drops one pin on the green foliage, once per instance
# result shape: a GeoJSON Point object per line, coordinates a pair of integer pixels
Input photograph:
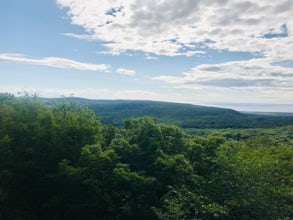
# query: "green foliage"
{"type": "Point", "coordinates": [184, 203]}
{"type": "Point", "coordinates": [278, 136]}
{"type": "Point", "coordinates": [115, 112]}
{"type": "Point", "coordinates": [58, 161]}
{"type": "Point", "coordinates": [34, 139]}
{"type": "Point", "coordinates": [256, 181]}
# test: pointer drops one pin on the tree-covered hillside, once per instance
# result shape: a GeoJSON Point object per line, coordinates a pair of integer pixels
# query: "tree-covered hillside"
{"type": "Point", "coordinates": [60, 162]}
{"type": "Point", "coordinates": [114, 112]}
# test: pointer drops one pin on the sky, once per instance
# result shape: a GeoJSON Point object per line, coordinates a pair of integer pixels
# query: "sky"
{"type": "Point", "coordinates": [226, 53]}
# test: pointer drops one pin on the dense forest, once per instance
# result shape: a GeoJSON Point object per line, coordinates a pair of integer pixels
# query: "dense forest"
{"type": "Point", "coordinates": [59, 161]}
{"type": "Point", "coordinates": [115, 112]}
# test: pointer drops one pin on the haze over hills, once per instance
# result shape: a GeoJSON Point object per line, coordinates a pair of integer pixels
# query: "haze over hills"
{"type": "Point", "coordinates": [268, 113]}
{"type": "Point", "coordinates": [114, 112]}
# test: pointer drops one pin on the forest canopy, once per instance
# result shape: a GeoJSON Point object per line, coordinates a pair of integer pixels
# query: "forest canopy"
{"type": "Point", "coordinates": [59, 161]}
{"type": "Point", "coordinates": [115, 112]}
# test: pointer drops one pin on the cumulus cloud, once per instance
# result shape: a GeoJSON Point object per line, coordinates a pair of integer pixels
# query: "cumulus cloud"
{"type": "Point", "coordinates": [254, 73]}
{"type": "Point", "coordinates": [126, 72]}
{"type": "Point", "coordinates": [181, 27]}
{"type": "Point", "coordinates": [57, 62]}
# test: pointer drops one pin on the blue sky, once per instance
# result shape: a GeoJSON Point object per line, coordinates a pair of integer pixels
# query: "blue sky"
{"type": "Point", "coordinates": [226, 53]}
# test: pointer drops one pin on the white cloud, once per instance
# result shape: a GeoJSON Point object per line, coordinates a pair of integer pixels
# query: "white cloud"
{"type": "Point", "coordinates": [255, 80]}
{"type": "Point", "coordinates": [79, 36]}
{"type": "Point", "coordinates": [127, 72]}
{"type": "Point", "coordinates": [237, 74]}
{"type": "Point", "coordinates": [166, 27]}
{"type": "Point", "coordinates": [57, 62]}
{"type": "Point", "coordinates": [150, 57]}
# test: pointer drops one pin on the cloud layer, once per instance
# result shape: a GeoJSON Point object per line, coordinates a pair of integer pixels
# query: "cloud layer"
{"type": "Point", "coordinates": [263, 28]}
{"type": "Point", "coordinates": [251, 73]}
{"type": "Point", "coordinates": [54, 62]}
{"type": "Point", "coordinates": [255, 80]}
{"type": "Point", "coordinates": [184, 27]}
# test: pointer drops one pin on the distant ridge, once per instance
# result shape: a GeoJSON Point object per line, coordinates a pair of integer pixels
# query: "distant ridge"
{"type": "Point", "coordinates": [268, 113]}
{"type": "Point", "coordinates": [115, 112]}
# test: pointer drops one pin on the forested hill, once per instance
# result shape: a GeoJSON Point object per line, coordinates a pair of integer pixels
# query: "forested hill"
{"type": "Point", "coordinates": [58, 161]}
{"type": "Point", "coordinates": [184, 115]}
